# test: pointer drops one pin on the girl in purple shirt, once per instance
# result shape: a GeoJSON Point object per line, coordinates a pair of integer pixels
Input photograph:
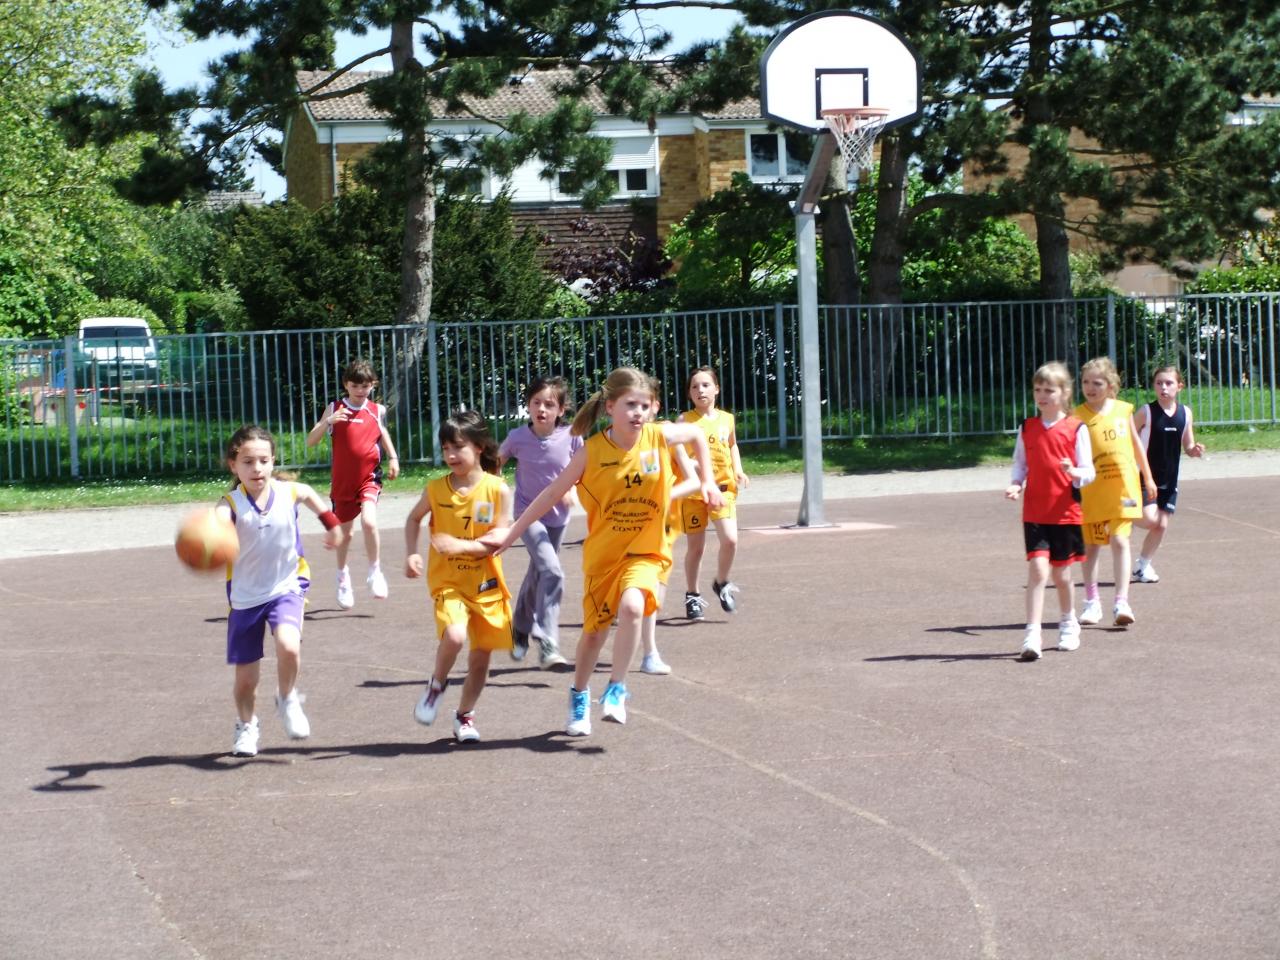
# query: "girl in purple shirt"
{"type": "Point", "coordinates": [541, 450]}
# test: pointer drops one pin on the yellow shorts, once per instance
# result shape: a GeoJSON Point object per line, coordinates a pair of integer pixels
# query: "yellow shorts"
{"type": "Point", "coordinates": [1099, 534]}
{"type": "Point", "coordinates": [601, 594]}
{"type": "Point", "coordinates": [695, 515]}
{"type": "Point", "coordinates": [488, 622]}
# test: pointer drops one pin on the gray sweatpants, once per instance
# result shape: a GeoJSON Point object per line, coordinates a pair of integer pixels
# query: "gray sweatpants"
{"type": "Point", "coordinates": [537, 611]}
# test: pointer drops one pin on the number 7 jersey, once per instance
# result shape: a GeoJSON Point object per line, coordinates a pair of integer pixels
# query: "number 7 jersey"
{"type": "Point", "coordinates": [626, 494]}
{"type": "Point", "coordinates": [468, 517]}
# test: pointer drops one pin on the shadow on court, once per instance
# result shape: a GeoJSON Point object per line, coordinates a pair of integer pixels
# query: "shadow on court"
{"type": "Point", "coordinates": [846, 768]}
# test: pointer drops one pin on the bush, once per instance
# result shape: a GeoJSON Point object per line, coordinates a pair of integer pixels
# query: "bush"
{"type": "Point", "coordinates": [208, 311]}
{"type": "Point", "coordinates": [1259, 278]}
{"type": "Point", "coordinates": [735, 248]}
{"type": "Point", "coordinates": [119, 307]}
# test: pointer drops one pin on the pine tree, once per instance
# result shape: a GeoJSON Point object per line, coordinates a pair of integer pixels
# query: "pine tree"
{"type": "Point", "coordinates": [443, 53]}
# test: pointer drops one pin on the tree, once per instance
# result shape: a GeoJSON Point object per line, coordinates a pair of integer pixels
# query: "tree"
{"type": "Point", "coordinates": [463, 54]}
{"type": "Point", "coordinates": [1119, 111]}
{"type": "Point", "coordinates": [736, 247]}
{"type": "Point", "coordinates": [336, 267]}
{"type": "Point", "coordinates": [61, 222]}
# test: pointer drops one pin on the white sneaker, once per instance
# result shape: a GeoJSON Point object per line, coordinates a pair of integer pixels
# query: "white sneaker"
{"type": "Point", "coordinates": [613, 704]}
{"type": "Point", "coordinates": [1092, 611]}
{"type": "Point", "coordinates": [377, 583]}
{"type": "Point", "coordinates": [1123, 613]}
{"type": "Point", "coordinates": [1069, 634]}
{"type": "Point", "coordinates": [428, 704]}
{"type": "Point", "coordinates": [653, 663]}
{"type": "Point", "coordinates": [246, 741]}
{"type": "Point", "coordinates": [1030, 645]}
{"type": "Point", "coordinates": [579, 724]}
{"type": "Point", "coordinates": [346, 596]}
{"type": "Point", "coordinates": [1145, 573]}
{"type": "Point", "coordinates": [464, 727]}
{"type": "Point", "coordinates": [295, 721]}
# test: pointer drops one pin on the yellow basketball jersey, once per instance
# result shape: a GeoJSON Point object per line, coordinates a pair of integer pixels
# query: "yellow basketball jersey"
{"type": "Point", "coordinates": [1116, 493]}
{"type": "Point", "coordinates": [719, 430]}
{"type": "Point", "coordinates": [466, 517]}
{"type": "Point", "coordinates": [625, 494]}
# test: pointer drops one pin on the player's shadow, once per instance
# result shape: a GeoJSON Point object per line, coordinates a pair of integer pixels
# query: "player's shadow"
{"type": "Point", "coordinates": [949, 656]}
{"type": "Point", "coordinates": [70, 776]}
{"type": "Point", "coordinates": [942, 657]}
{"type": "Point", "coordinates": [493, 672]}
{"type": "Point", "coordinates": [978, 629]}
{"type": "Point", "coordinates": [312, 615]}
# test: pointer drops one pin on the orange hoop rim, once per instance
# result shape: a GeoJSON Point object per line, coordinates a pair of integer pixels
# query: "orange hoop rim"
{"type": "Point", "coordinates": [849, 119]}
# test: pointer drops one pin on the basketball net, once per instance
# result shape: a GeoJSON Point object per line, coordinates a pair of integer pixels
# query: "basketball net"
{"type": "Point", "coordinates": [855, 130]}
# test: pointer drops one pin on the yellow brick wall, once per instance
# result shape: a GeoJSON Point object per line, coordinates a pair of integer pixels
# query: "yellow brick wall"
{"type": "Point", "coordinates": [726, 155]}
{"type": "Point", "coordinates": [694, 167]}
{"type": "Point", "coordinates": [306, 165]}
{"type": "Point", "coordinates": [348, 155]}
{"type": "Point", "coordinates": [681, 174]}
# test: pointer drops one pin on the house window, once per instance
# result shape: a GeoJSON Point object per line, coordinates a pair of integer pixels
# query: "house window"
{"type": "Point", "coordinates": [464, 182]}
{"type": "Point", "coordinates": [635, 181]}
{"type": "Point", "coordinates": [626, 183]}
{"type": "Point", "coordinates": [779, 155]}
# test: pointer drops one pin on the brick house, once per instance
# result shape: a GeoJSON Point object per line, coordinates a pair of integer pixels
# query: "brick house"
{"type": "Point", "coordinates": [663, 168]}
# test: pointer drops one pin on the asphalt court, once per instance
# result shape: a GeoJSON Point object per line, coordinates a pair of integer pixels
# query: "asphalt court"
{"type": "Point", "coordinates": [855, 765]}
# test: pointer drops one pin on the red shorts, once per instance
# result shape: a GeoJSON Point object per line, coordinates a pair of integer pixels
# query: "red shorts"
{"type": "Point", "coordinates": [348, 508]}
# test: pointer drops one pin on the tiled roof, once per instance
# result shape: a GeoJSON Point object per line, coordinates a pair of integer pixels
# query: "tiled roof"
{"type": "Point", "coordinates": [534, 93]}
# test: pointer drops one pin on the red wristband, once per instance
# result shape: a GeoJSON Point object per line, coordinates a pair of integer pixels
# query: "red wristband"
{"type": "Point", "coordinates": [330, 519]}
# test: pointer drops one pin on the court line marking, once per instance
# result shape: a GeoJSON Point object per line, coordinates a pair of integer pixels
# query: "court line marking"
{"type": "Point", "coordinates": [1243, 523]}
{"type": "Point", "coordinates": [986, 924]}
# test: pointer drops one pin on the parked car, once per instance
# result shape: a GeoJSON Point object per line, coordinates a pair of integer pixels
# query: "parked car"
{"type": "Point", "coordinates": [120, 348]}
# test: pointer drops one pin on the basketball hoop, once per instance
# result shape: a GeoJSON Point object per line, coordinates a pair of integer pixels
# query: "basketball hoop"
{"type": "Point", "coordinates": [855, 130]}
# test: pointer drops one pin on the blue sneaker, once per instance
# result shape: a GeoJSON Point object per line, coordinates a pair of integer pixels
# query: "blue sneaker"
{"type": "Point", "coordinates": [613, 705]}
{"type": "Point", "coordinates": [579, 713]}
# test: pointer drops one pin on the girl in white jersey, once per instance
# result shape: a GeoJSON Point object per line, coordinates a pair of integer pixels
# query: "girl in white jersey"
{"type": "Point", "coordinates": [266, 583]}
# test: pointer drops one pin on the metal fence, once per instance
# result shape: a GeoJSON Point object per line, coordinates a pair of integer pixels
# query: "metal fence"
{"type": "Point", "coordinates": [938, 370]}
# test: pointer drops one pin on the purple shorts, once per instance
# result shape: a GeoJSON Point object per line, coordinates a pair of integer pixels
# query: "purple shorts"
{"type": "Point", "coordinates": [246, 628]}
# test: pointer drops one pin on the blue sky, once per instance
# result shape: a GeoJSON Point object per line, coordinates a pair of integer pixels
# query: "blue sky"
{"type": "Point", "coordinates": [182, 63]}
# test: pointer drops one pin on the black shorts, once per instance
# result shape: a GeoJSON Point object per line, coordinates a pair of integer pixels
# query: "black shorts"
{"type": "Point", "coordinates": [1062, 543]}
{"type": "Point", "coordinates": [1166, 499]}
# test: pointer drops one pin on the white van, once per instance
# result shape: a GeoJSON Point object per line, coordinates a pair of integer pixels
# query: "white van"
{"type": "Point", "coordinates": [120, 347]}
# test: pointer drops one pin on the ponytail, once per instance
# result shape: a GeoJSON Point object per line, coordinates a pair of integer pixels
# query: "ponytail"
{"type": "Point", "coordinates": [588, 414]}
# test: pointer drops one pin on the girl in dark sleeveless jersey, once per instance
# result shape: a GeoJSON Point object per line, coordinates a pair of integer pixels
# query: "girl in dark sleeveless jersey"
{"type": "Point", "coordinates": [1164, 425]}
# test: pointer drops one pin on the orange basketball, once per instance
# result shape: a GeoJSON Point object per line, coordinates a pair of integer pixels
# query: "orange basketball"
{"type": "Point", "coordinates": [205, 542]}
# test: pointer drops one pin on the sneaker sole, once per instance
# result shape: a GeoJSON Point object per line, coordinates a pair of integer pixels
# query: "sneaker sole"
{"type": "Point", "coordinates": [621, 721]}
{"type": "Point", "coordinates": [1124, 619]}
{"type": "Point", "coordinates": [1028, 655]}
{"type": "Point", "coordinates": [578, 731]}
{"type": "Point", "coordinates": [1090, 621]}
{"type": "Point", "coordinates": [666, 670]}
{"type": "Point", "coordinates": [552, 662]}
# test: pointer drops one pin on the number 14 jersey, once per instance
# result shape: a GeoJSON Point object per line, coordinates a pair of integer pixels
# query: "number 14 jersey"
{"type": "Point", "coordinates": [625, 494]}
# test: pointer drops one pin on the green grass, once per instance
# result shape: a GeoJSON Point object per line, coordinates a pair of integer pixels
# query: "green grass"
{"type": "Point", "coordinates": [847, 456]}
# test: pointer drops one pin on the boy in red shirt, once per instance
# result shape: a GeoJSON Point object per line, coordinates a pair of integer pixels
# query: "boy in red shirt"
{"type": "Point", "coordinates": [358, 430]}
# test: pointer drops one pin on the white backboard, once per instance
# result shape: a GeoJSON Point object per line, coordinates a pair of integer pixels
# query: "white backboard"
{"type": "Point", "coordinates": [835, 59]}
